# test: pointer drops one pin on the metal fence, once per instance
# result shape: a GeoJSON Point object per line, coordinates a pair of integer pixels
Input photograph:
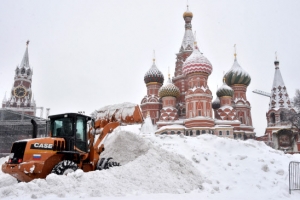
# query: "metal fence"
{"type": "Point", "coordinates": [294, 176]}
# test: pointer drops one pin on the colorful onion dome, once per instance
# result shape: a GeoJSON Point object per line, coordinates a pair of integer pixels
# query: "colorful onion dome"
{"type": "Point", "coordinates": [187, 13]}
{"type": "Point", "coordinates": [216, 103]}
{"type": "Point", "coordinates": [225, 90]}
{"type": "Point", "coordinates": [196, 62]}
{"type": "Point", "coordinates": [237, 75]}
{"type": "Point", "coordinates": [154, 75]}
{"type": "Point", "coordinates": [169, 90]}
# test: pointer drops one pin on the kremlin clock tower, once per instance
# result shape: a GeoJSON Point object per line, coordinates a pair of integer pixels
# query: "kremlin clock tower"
{"type": "Point", "coordinates": [21, 99]}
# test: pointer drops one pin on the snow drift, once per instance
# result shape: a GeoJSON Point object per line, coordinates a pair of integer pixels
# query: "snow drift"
{"type": "Point", "coordinates": [169, 166]}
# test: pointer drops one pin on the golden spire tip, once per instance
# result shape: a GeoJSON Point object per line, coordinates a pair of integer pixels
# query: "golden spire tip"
{"type": "Point", "coordinates": [234, 51]}
{"type": "Point", "coordinates": [153, 56]}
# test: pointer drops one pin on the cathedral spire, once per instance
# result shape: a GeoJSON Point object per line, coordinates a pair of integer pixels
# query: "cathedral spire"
{"type": "Point", "coordinates": [188, 38]}
{"type": "Point", "coordinates": [25, 60]}
{"type": "Point", "coordinates": [279, 95]}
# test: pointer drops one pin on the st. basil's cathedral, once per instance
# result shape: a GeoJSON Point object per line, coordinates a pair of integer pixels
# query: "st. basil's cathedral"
{"type": "Point", "coordinates": [185, 105]}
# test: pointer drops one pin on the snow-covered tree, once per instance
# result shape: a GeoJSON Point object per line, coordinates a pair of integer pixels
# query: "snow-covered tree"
{"type": "Point", "coordinates": [294, 117]}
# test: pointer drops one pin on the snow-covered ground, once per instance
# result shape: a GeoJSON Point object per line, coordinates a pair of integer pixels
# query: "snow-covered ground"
{"type": "Point", "coordinates": [169, 167]}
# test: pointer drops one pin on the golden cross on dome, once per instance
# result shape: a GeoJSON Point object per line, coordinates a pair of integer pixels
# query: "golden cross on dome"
{"type": "Point", "coordinates": [234, 51]}
{"type": "Point", "coordinates": [195, 40]}
{"type": "Point", "coordinates": [153, 56]}
{"type": "Point", "coordinates": [187, 4]}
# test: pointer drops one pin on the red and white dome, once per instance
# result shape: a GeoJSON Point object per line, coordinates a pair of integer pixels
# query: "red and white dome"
{"type": "Point", "coordinates": [196, 62]}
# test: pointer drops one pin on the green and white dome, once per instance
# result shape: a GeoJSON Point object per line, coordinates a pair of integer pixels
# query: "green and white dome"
{"type": "Point", "coordinates": [169, 89]}
{"type": "Point", "coordinates": [237, 75]}
{"type": "Point", "coordinates": [225, 90]}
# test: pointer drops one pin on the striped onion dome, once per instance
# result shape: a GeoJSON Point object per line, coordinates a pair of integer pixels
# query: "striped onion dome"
{"type": "Point", "coordinates": [196, 62]}
{"type": "Point", "coordinates": [154, 75]}
{"type": "Point", "coordinates": [225, 90]}
{"type": "Point", "coordinates": [169, 89]}
{"type": "Point", "coordinates": [237, 75]}
{"type": "Point", "coordinates": [216, 103]}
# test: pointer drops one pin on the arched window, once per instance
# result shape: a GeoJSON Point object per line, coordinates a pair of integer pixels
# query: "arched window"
{"type": "Point", "coordinates": [234, 135]}
{"type": "Point", "coordinates": [186, 133]}
{"type": "Point", "coordinates": [164, 133]}
{"type": "Point", "coordinates": [227, 132]}
{"type": "Point", "coordinates": [203, 131]}
{"type": "Point", "coordinates": [220, 132]}
{"type": "Point", "coordinates": [178, 132]}
{"type": "Point", "coordinates": [197, 132]}
{"type": "Point", "coordinates": [199, 109]}
{"type": "Point", "coordinates": [191, 133]}
{"type": "Point", "coordinates": [172, 132]}
{"type": "Point", "coordinates": [239, 135]}
{"type": "Point", "coordinates": [272, 118]}
{"type": "Point", "coordinates": [282, 116]}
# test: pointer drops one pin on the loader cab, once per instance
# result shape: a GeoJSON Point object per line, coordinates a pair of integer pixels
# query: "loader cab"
{"type": "Point", "coordinates": [73, 128]}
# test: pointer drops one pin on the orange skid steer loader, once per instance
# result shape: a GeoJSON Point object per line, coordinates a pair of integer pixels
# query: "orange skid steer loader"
{"type": "Point", "coordinates": [70, 145]}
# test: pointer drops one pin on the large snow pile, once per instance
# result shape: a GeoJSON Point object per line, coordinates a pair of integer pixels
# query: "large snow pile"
{"type": "Point", "coordinates": [176, 167]}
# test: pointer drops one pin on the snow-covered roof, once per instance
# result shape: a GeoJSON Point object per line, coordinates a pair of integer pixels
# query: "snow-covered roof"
{"type": "Point", "coordinates": [237, 75]}
{"type": "Point", "coordinates": [279, 95]}
{"type": "Point", "coordinates": [169, 89]}
{"type": "Point", "coordinates": [169, 127]}
{"type": "Point", "coordinates": [224, 90]}
{"type": "Point", "coordinates": [178, 122]}
{"type": "Point", "coordinates": [229, 122]}
{"type": "Point", "coordinates": [187, 41]}
{"type": "Point", "coordinates": [25, 60]}
{"type": "Point", "coordinates": [223, 125]}
{"type": "Point", "coordinates": [154, 75]}
{"type": "Point", "coordinates": [196, 62]}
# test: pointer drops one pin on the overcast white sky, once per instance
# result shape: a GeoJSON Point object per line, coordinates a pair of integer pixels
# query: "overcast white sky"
{"type": "Point", "coordinates": [88, 54]}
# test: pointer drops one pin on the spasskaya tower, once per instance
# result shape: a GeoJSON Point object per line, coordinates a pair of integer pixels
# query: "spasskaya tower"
{"type": "Point", "coordinates": [21, 98]}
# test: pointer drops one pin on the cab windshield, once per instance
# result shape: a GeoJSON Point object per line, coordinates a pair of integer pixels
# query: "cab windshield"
{"type": "Point", "coordinates": [62, 127]}
{"type": "Point", "coordinates": [73, 129]}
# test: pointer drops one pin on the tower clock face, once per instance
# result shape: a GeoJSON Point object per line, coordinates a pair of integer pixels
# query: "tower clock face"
{"type": "Point", "coordinates": [20, 92]}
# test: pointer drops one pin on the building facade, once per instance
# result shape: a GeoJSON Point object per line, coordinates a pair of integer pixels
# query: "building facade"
{"type": "Point", "coordinates": [184, 105]}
